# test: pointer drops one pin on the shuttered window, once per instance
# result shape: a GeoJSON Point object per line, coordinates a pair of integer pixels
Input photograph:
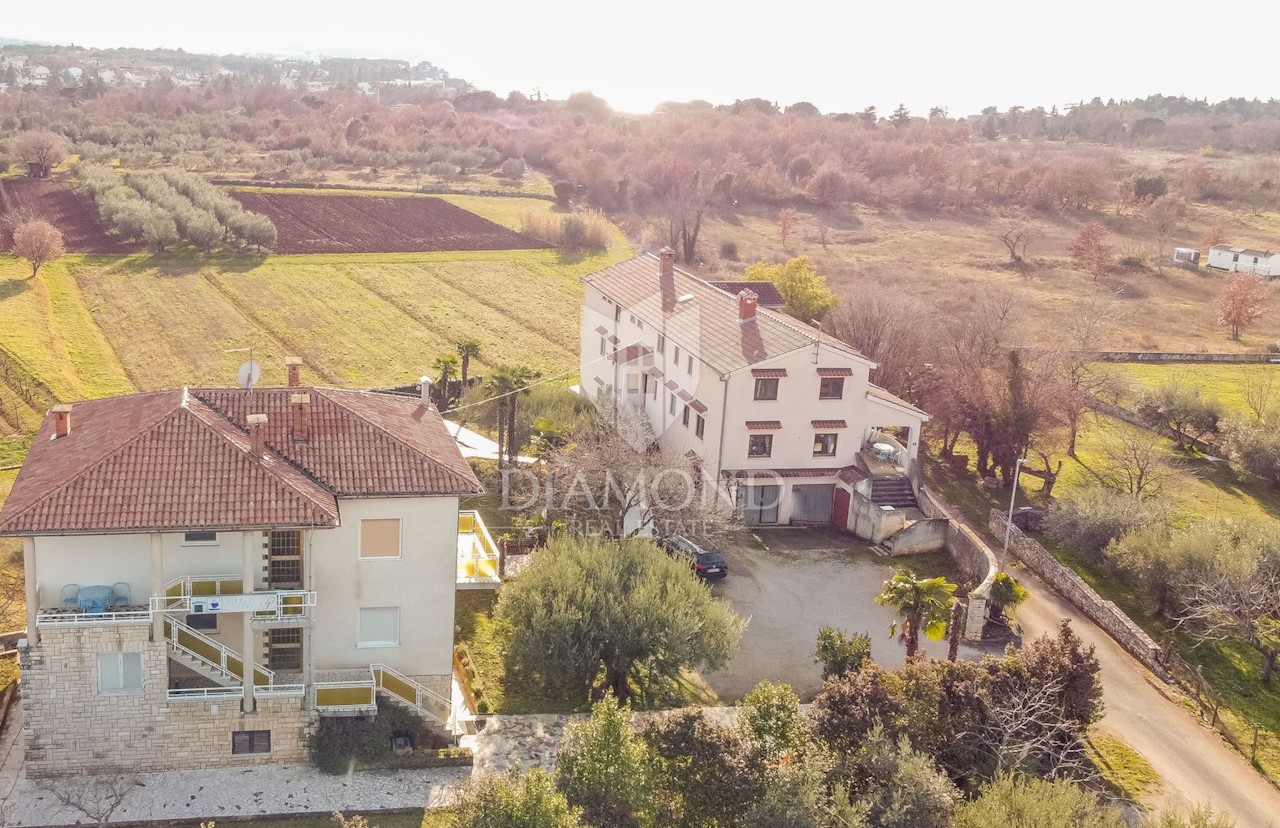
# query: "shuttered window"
{"type": "Point", "coordinates": [379, 627]}
{"type": "Point", "coordinates": [251, 741]}
{"type": "Point", "coordinates": [380, 538]}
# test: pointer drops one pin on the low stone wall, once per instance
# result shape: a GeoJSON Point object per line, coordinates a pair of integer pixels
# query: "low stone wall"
{"type": "Point", "coordinates": [975, 559]}
{"type": "Point", "coordinates": [1072, 587]}
{"type": "Point", "coordinates": [1184, 356]}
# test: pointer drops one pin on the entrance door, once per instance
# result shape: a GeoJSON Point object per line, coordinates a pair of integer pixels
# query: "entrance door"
{"type": "Point", "coordinates": [840, 509]}
{"type": "Point", "coordinates": [284, 560]}
{"type": "Point", "coordinates": [811, 503]}
{"type": "Point", "coordinates": [760, 503]}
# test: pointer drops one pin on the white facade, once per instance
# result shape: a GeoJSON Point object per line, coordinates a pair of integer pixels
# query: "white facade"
{"type": "Point", "coordinates": [1244, 260]}
{"type": "Point", "coordinates": [664, 374]}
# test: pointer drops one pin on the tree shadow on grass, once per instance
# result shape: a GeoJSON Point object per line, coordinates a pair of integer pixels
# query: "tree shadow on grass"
{"type": "Point", "coordinates": [13, 287]}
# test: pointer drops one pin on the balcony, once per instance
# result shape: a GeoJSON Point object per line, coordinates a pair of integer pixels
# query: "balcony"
{"type": "Point", "coordinates": [98, 605]}
{"type": "Point", "coordinates": [225, 593]}
{"type": "Point", "coordinates": [479, 564]}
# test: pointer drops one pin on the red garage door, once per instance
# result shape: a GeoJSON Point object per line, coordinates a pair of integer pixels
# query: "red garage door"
{"type": "Point", "coordinates": [840, 509]}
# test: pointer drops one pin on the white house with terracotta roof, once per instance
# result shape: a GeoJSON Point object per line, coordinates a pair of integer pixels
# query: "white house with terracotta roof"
{"type": "Point", "coordinates": [783, 417]}
{"type": "Point", "coordinates": [171, 538]}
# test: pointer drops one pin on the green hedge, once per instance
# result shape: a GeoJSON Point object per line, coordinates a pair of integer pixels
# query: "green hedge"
{"type": "Point", "coordinates": [340, 743]}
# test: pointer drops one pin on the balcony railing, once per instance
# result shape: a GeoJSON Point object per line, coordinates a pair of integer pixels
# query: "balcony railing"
{"type": "Point", "coordinates": [345, 698]}
{"type": "Point", "coordinates": [478, 558]}
{"type": "Point", "coordinates": [225, 593]}
{"type": "Point", "coordinates": [70, 616]}
{"type": "Point", "coordinates": [359, 698]}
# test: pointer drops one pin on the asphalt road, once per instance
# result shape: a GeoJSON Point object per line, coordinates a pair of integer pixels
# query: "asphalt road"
{"type": "Point", "coordinates": [1194, 762]}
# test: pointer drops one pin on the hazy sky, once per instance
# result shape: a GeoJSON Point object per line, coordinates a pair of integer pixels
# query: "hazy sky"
{"type": "Point", "coordinates": [842, 56]}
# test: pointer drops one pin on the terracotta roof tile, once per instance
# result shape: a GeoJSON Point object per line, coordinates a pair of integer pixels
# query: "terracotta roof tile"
{"type": "Point", "coordinates": [835, 372]}
{"type": "Point", "coordinates": [707, 326]}
{"type": "Point", "coordinates": [878, 393]}
{"type": "Point", "coordinates": [767, 373]}
{"type": "Point", "coordinates": [763, 425]}
{"type": "Point", "coordinates": [766, 292]}
{"type": "Point", "coordinates": [828, 424]}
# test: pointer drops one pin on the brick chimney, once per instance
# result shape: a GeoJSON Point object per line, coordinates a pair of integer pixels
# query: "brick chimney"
{"type": "Point", "coordinates": [666, 261]}
{"type": "Point", "coordinates": [301, 405]}
{"type": "Point", "coordinates": [425, 385]}
{"type": "Point", "coordinates": [257, 434]}
{"type": "Point", "coordinates": [294, 366]}
{"type": "Point", "coordinates": [61, 420]}
{"type": "Point", "coordinates": [747, 300]}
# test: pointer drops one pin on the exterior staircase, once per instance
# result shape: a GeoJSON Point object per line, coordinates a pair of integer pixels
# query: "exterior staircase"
{"type": "Point", "coordinates": [209, 658]}
{"type": "Point", "coordinates": [893, 491]}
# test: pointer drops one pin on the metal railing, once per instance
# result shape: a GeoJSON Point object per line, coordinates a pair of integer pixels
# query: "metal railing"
{"type": "Point", "coordinates": [219, 693]}
{"type": "Point", "coordinates": [60, 618]}
{"type": "Point", "coordinates": [344, 697]}
{"type": "Point", "coordinates": [213, 654]}
{"type": "Point", "coordinates": [429, 703]}
{"type": "Point", "coordinates": [478, 556]}
{"type": "Point", "coordinates": [285, 604]}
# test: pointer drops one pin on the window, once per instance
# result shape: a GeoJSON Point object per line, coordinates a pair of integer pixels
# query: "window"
{"type": "Point", "coordinates": [617, 313]}
{"type": "Point", "coordinates": [195, 538]}
{"type": "Point", "coordinates": [633, 383]}
{"type": "Point", "coordinates": [662, 344]}
{"type": "Point", "coordinates": [684, 420]}
{"type": "Point", "coordinates": [673, 405]}
{"type": "Point", "coordinates": [284, 649]}
{"type": "Point", "coordinates": [284, 559]}
{"type": "Point", "coordinates": [689, 369]}
{"type": "Point", "coordinates": [379, 627]}
{"type": "Point", "coordinates": [767, 389]}
{"type": "Point", "coordinates": [824, 445]}
{"type": "Point", "coordinates": [676, 353]}
{"type": "Point", "coordinates": [831, 388]}
{"type": "Point", "coordinates": [644, 383]}
{"type": "Point", "coordinates": [250, 741]}
{"type": "Point", "coordinates": [380, 538]}
{"type": "Point", "coordinates": [759, 445]}
{"type": "Point", "coordinates": [203, 621]}
{"type": "Point", "coordinates": [700, 427]}
{"type": "Point", "coordinates": [1236, 257]}
{"type": "Point", "coordinates": [120, 672]}
{"type": "Point", "coordinates": [602, 346]}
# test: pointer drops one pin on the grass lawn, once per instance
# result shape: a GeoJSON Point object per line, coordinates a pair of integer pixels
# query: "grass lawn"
{"type": "Point", "coordinates": [1122, 768]}
{"type": "Point", "coordinates": [1221, 382]}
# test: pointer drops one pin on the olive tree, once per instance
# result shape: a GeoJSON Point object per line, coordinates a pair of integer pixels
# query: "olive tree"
{"type": "Point", "coordinates": [591, 612]}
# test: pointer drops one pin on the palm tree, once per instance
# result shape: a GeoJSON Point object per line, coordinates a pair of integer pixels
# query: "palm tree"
{"type": "Point", "coordinates": [522, 378]}
{"type": "Point", "coordinates": [447, 367]}
{"type": "Point", "coordinates": [467, 348]}
{"type": "Point", "coordinates": [501, 387]}
{"type": "Point", "coordinates": [921, 604]}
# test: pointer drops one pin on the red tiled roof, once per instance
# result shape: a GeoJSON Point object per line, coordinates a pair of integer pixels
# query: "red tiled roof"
{"type": "Point", "coordinates": [768, 373]}
{"type": "Point", "coordinates": [708, 326]}
{"type": "Point", "coordinates": [763, 425]}
{"type": "Point", "coordinates": [631, 353]}
{"type": "Point", "coordinates": [877, 393]}
{"type": "Point", "coordinates": [835, 372]}
{"type": "Point", "coordinates": [697, 406]}
{"type": "Point", "coordinates": [173, 460]}
{"type": "Point", "coordinates": [767, 292]}
{"type": "Point", "coordinates": [851, 475]}
{"type": "Point", "coordinates": [828, 424]}
{"type": "Point", "coordinates": [672, 384]}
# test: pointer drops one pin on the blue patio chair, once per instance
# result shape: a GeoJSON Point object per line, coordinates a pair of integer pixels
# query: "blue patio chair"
{"type": "Point", "coordinates": [121, 595]}
{"type": "Point", "coordinates": [70, 593]}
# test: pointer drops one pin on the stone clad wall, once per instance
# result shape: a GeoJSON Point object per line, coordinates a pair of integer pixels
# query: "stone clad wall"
{"type": "Point", "coordinates": [975, 559]}
{"type": "Point", "coordinates": [1072, 587]}
{"type": "Point", "coordinates": [71, 727]}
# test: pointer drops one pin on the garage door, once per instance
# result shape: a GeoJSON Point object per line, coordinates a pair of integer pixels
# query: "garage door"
{"type": "Point", "coordinates": [812, 503]}
{"type": "Point", "coordinates": [759, 503]}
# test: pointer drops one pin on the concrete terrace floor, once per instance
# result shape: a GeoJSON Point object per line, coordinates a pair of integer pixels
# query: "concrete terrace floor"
{"type": "Point", "coordinates": [219, 793]}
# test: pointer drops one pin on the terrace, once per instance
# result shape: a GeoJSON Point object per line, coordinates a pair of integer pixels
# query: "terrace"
{"type": "Point", "coordinates": [479, 561]}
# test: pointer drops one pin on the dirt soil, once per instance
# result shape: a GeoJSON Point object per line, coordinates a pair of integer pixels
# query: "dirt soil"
{"type": "Point", "coordinates": [58, 203]}
{"type": "Point", "coordinates": [371, 224]}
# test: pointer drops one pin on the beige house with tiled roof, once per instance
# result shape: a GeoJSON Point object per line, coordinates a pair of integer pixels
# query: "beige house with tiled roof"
{"type": "Point", "coordinates": [171, 538]}
{"type": "Point", "coordinates": [783, 417]}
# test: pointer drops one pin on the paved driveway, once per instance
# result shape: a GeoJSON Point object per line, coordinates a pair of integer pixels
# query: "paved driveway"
{"type": "Point", "coordinates": [807, 579]}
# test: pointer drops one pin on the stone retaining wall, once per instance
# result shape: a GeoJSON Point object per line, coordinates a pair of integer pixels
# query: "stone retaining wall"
{"type": "Point", "coordinates": [71, 726]}
{"type": "Point", "coordinates": [1072, 587]}
{"type": "Point", "coordinates": [1171, 356]}
{"type": "Point", "coordinates": [975, 559]}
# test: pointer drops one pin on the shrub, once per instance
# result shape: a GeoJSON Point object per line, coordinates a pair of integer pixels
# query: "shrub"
{"type": "Point", "coordinates": [564, 192]}
{"type": "Point", "coordinates": [729, 251]}
{"type": "Point", "coordinates": [339, 743]}
{"type": "Point", "coordinates": [588, 229]}
{"type": "Point", "coordinates": [840, 653]}
{"type": "Point", "coordinates": [573, 231]}
{"type": "Point", "coordinates": [512, 168]}
{"type": "Point", "coordinates": [770, 721]}
{"type": "Point", "coordinates": [443, 170]}
{"type": "Point", "coordinates": [1099, 515]}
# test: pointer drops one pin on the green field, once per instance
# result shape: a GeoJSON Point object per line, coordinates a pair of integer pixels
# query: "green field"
{"type": "Point", "coordinates": [91, 326]}
{"type": "Point", "coordinates": [1221, 382]}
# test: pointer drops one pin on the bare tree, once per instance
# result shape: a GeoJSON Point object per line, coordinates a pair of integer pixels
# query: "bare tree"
{"type": "Point", "coordinates": [41, 150]}
{"type": "Point", "coordinates": [12, 593]}
{"type": "Point", "coordinates": [1163, 214]}
{"type": "Point", "coordinates": [1257, 387]}
{"type": "Point", "coordinates": [1235, 597]}
{"type": "Point", "coordinates": [889, 327]}
{"type": "Point", "coordinates": [96, 796]}
{"type": "Point", "coordinates": [1083, 378]}
{"type": "Point", "coordinates": [1029, 732]}
{"type": "Point", "coordinates": [1135, 462]}
{"type": "Point", "coordinates": [38, 242]}
{"type": "Point", "coordinates": [1018, 238]}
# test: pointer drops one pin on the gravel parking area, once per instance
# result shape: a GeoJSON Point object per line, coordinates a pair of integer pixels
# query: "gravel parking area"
{"type": "Point", "coordinates": [809, 578]}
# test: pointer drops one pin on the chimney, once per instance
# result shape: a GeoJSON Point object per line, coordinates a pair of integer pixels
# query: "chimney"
{"type": "Point", "coordinates": [61, 420]}
{"type": "Point", "coordinates": [747, 305]}
{"type": "Point", "coordinates": [425, 383]}
{"type": "Point", "coordinates": [257, 434]}
{"type": "Point", "coordinates": [301, 405]}
{"type": "Point", "coordinates": [294, 366]}
{"type": "Point", "coordinates": [666, 261]}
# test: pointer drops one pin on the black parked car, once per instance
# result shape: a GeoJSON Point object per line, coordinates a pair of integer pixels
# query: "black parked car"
{"type": "Point", "coordinates": [706, 562]}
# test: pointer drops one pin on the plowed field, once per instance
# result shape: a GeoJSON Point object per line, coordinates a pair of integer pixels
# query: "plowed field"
{"type": "Point", "coordinates": [371, 224]}
{"type": "Point", "coordinates": [60, 205]}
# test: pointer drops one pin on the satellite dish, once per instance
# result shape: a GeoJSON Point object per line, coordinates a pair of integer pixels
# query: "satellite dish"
{"type": "Point", "coordinates": [248, 375]}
